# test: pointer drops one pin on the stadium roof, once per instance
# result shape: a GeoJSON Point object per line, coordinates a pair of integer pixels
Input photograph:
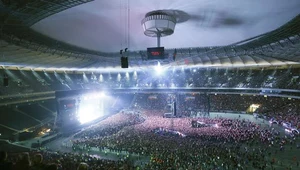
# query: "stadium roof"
{"type": "Point", "coordinates": [86, 34]}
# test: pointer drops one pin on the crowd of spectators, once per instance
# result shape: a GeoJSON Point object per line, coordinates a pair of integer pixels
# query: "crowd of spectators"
{"type": "Point", "coordinates": [231, 144]}
{"type": "Point", "coordinates": [226, 134]}
{"type": "Point", "coordinates": [282, 110]}
{"type": "Point", "coordinates": [279, 108]}
{"type": "Point", "coordinates": [44, 160]}
{"type": "Point", "coordinates": [224, 144]}
{"type": "Point", "coordinates": [151, 101]}
{"type": "Point", "coordinates": [112, 125]}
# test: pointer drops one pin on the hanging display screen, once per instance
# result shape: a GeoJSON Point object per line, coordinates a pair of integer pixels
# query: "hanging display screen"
{"type": "Point", "coordinates": [156, 53]}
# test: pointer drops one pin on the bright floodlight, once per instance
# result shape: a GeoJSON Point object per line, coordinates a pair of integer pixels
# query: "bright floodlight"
{"type": "Point", "coordinates": [91, 107]}
{"type": "Point", "coordinates": [101, 78]}
{"type": "Point", "coordinates": [159, 70]}
{"type": "Point", "coordinates": [87, 113]}
{"type": "Point", "coordinates": [102, 94]}
{"type": "Point", "coordinates": [119, 77]}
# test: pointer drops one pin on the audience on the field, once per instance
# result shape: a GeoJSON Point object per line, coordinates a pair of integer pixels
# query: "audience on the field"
{"type": "Point", "coordinates": [219, 143]}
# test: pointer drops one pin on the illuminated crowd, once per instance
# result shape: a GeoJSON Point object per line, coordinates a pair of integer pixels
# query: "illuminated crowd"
{"type": "Point", "coordinates": [224, 144]}
{"type": "Point", "coordinates": [233, 144]}
{"type": "Point", "coordinates": [204, 148]}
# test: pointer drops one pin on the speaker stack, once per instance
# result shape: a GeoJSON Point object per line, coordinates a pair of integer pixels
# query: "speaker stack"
{"type": "Point", "coordinates": [174, 109]}
{"type": "Point", "coordinates": [124, 62]}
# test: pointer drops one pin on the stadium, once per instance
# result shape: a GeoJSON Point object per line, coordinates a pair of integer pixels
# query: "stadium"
{"type": "Point", "coordinates": [154, 85]}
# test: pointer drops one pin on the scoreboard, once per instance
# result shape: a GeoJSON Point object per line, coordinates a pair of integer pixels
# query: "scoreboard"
{"type": "Point", "coordinates": [156, 53]}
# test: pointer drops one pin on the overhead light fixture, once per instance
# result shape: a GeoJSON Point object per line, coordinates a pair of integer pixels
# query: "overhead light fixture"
{"type": "Point", "coordinates": [158, 24]}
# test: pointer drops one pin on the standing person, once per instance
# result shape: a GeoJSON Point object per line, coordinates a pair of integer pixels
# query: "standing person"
{"type": "Point", "coordinates": [37, 162]}
{"type": "Point", "coordinates": [51, 167]}
{"type": "Point", "coordinates": [83, 166]}
{"type": "Point", "coordinates": [4, 164]}
{"type": "Point", "coordinates": [24, 162]}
